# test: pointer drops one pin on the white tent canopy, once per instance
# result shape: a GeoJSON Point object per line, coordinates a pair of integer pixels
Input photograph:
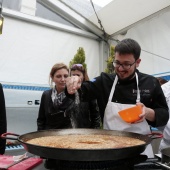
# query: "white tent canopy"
{"type": "Point", "coordinates": [153, 36]}
{"type": "Point", "coordinates": [30, 45]}
{"type": "Point", "coordinates": [145, 21]}
{"type": "Point", "coordinates": [121, 15]}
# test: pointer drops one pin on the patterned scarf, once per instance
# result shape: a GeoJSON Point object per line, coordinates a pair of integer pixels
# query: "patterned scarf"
{"type": "Point", "coordinates": [57, 98]}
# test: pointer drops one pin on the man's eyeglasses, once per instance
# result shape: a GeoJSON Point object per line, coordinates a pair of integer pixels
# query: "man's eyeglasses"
{"type": "Point", "coordinates": [124, 66]}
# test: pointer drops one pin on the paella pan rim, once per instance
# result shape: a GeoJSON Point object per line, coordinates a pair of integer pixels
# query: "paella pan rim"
{"type": "Point", "coordinates": [84, 154]}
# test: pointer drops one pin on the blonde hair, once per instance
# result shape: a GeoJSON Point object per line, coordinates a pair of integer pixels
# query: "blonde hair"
{"type": "Point", "coordinates": [56, 67]}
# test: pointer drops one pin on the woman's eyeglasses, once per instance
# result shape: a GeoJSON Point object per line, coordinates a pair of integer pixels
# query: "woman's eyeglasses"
{"type": "Point", "coordinates": [74, 66]}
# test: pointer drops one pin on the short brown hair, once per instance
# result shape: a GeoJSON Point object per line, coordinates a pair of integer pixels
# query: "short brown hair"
{"type": "Point", "coordinates": [128, 46]}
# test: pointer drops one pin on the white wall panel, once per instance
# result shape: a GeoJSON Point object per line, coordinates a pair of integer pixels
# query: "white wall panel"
{"type": "Point", "coordinates": [28, 51]}
{"type": "Point", "coordinates": [153, 36]}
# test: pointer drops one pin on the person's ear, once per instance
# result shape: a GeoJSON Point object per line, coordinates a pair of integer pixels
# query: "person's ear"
{"type": "Point", "coordinates": [52, 78]}
{"type": "Point", "coordinates": [138, 62]}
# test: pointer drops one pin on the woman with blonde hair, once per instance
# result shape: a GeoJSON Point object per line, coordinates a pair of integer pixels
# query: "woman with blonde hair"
{"type": "Point", "coordinates": [58, 111]}
{"type": "Point", "coordinates": [54, 103]}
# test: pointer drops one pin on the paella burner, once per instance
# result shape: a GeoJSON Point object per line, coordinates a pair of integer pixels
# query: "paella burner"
{"type": "Point", "coordinates": [123, 164]}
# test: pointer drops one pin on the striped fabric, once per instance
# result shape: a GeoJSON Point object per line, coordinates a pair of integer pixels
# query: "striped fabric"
{"type": "Point", "coordinates": [21, 87]}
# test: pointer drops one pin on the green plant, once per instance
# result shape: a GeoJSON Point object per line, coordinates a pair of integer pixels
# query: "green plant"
{"type": "Point", "coordinates": [79, 58]}
{"type": "Point", "coordinates": [110, 68]}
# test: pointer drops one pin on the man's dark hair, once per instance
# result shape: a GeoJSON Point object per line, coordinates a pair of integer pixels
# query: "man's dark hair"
{"type": "Point", "coordinates": [128, 46]}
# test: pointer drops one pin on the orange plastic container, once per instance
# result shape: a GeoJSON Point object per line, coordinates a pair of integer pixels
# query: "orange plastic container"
{"type": "Point", "coordinates": [131, 114]}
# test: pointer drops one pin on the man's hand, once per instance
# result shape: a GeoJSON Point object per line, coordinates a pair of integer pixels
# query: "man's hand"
{"type": "Point", "coordinates": [147, 113]}
{"type": "Point", "coordinates": [73, 83]}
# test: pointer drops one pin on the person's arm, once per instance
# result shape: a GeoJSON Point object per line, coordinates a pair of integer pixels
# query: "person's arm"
{"type": "Point", "coordinates": [89, 89]}
{"type": "Point", "coordinates": [94, 114]}
{"type": "Point", "coordinates": [160, 108]}
{"type": "Point", "coordinates": [166, 90]}
{"type": "Point", "coordinates": [3, 122]}
{"type": "Point", "coordinates": [147, 113]}
{"type": "Point", "coordinates": [41, 120]}
{"type": "Point", "coordinates": [155, 110]}
{"type": "Point", "coordinates": [73, 83]}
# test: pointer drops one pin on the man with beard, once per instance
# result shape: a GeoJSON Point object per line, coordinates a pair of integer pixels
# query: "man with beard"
{"type": "Point", "coordinates": [124, 89]}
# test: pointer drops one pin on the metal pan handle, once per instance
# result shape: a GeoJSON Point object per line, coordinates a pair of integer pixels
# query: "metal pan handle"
{"type": "Point", "coordinates": [163, 165]}
{"type": "Point", "coordinates": [4, 136]}
{"type": "Point", "coordinates": [155, 135]}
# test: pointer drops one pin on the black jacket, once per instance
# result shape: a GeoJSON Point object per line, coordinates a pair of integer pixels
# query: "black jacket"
{"type": "Point", "coordinates": [49, 117]}
{"type": "Point", "coordinates": [125, 92]}
{"type": "Point", "coordinates": [3, 123]}
{"type": "Point", "coordinates": [86, 114]}
{"type": "Point", "coordinates": [90, 116]}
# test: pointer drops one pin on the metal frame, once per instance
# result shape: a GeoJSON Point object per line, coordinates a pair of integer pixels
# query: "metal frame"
{"type": "Point", "coordinates": [72, 16]}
